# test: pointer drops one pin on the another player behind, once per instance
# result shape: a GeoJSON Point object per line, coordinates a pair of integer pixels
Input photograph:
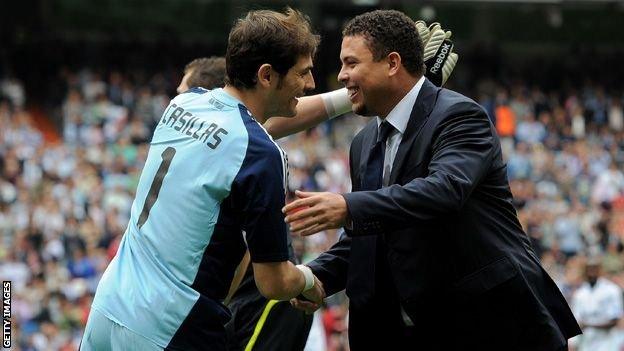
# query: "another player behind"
{"type": "Point", "coordinates": [213, 185]}
{"type": "Point", "coordinates": [205, 72]}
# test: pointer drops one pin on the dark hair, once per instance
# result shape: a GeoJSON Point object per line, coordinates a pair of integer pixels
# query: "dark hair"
{"type": "Point", "coordinates": [207, 72]}
{"type": "Point", "coordinates": [265, 36]}
{"type": "Point", "coordinates": [386, 31]}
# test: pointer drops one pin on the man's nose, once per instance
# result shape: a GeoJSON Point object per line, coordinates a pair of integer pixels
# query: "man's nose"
{"type": "Point", "coordinates": [343, 77]}
{"type": "Point", "coordinates": [309, 84]}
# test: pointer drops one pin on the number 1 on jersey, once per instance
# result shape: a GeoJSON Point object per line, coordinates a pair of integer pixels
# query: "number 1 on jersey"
{"type": "Point", "coordinates": [152, 196]}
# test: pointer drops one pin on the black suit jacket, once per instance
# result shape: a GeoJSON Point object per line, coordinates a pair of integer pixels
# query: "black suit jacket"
{"type": "Point", "coordinates": [456, 258]}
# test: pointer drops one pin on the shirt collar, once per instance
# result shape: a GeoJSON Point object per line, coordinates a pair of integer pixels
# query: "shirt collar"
{"type": "Point", "coordinates": [226, 98]}
{"type": "Point", "coordinates": [400, 114]}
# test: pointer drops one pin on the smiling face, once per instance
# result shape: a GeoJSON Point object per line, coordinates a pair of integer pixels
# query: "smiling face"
{"type": "Point", "coordinates": [366, 79]}
{"type": "Point", "coordinates": [294, 84]}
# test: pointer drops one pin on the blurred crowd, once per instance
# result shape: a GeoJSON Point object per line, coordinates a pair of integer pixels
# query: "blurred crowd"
{"type": "Point", "coordinates": [64, 206]}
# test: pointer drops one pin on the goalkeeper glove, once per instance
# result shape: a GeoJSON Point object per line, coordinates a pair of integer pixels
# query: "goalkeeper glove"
{"type": "Point", "coordinates": [439, 58]}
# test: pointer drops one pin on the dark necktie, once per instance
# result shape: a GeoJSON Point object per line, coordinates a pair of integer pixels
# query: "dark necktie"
{"type": "Point", "coordinates": [372, 179]}
{"type": "Point", "coordinates": [373, 278]}
{"type": "Point", "coordinates": [368, 250]}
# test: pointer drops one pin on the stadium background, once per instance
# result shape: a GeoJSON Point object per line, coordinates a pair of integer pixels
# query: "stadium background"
{"type": "Point", "coordinates": [82, 84]}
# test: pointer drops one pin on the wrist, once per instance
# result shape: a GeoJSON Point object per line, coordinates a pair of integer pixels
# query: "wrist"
{"type": "Point", "coordinates": [336, 102]}
{"type": "Point", "coordinates": [307, 275]}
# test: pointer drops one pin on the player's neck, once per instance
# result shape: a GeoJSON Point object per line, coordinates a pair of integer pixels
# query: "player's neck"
{"type": "Point", "coordinates": [251, 100]}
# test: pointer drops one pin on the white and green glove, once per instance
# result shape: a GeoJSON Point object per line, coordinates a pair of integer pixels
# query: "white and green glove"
{"type": "Point", "coordinates": [439, 58]}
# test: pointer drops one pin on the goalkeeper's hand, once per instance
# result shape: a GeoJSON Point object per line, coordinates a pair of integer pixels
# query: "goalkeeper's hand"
{"type": "Point", "coordinates": [439, 58]}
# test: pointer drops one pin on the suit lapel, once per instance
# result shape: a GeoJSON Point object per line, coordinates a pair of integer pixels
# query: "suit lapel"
{"type": "Point", "coordinates": [360, 280]}
{"type": "Point", "coordinates": [370, 137]}
{"type": "Point", "coordinates": [420, 112]}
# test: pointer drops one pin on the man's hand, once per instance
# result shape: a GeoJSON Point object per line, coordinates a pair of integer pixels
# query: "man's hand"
{"type": "Point", "coordinates": [307, 306]}
{"type": "Point", "coordinates": [321, 211]}
{"type": "Point", "coordinates": [438, 52]}
{"type": "Point", "coordinates": [315, 295]}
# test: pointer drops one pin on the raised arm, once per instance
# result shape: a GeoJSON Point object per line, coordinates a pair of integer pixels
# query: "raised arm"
{"type": "Point", "coordinates": [316, 109]}
{"type": "Point", "coordinates": [311, 111]}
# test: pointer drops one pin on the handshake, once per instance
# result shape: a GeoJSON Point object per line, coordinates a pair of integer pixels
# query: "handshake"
{"type": "Point", "coordinates": [312, 296]}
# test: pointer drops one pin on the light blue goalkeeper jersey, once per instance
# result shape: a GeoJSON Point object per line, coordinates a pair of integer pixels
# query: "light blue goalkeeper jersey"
{"type": "Point", "coordinates": [213, 184]}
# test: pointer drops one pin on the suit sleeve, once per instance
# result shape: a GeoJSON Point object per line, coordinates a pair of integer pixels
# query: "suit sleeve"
{"type": "Point", "coordinates": [331, 266]}
{"type": "Point", "coordinates": [461, 156]}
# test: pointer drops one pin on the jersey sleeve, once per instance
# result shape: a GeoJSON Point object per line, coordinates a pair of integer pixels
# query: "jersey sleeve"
{"type": "Point", "coordinates": [258, 192]}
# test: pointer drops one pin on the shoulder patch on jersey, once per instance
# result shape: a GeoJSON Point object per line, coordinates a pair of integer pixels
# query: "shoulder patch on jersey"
{"type": "Point", "coordinates": [216, 103]}
{"type": "Point", "coordinates": [196, 90]}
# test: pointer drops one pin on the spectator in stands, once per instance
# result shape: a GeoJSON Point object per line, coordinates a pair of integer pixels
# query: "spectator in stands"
{"type": "Point", "coordinates": [609, 184]}
{"type": "Point", "coordinates": [598, 307]}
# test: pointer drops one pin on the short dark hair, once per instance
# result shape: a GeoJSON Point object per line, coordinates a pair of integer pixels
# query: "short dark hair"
{"type": "Point", "coordinates": [386, 31]}
{"type": "Point", "coordinates": [265, 36]}
{"type": "Point", "coordinates": [206, 72]}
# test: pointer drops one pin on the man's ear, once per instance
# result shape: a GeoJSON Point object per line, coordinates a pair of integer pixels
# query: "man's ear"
{"type": "Point", "coordinates": [394, 63]}
{"type": "Point", "coordinates": [265, 75]}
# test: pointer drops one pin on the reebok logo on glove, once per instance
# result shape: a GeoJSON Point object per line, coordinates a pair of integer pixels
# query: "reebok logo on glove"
{"type": "Point", "coordinates": [440, 60]}
{"type": "Point", "coordinates": [441, 56]}
{"type": "Point", "coordinates": [436, 63]}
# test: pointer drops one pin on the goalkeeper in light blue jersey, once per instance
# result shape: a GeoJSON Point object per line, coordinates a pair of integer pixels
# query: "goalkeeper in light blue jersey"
{"type": "Point", "coordinates": [213, 185]}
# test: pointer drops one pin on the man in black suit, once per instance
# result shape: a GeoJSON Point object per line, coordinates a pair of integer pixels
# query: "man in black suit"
{"type": "Point", "coordinates": [434, 256]}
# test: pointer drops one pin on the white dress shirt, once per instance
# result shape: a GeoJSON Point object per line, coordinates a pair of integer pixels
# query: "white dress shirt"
{"type": "Point", "coordinates": [398, 118]}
